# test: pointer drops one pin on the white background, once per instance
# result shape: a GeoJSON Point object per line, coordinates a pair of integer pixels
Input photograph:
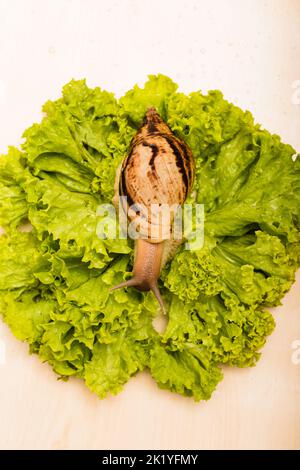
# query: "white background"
{"type": "Point", "coordinates": [250, 49]}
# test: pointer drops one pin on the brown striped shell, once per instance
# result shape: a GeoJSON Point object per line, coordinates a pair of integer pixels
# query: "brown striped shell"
{"type": "Point", "coordinates": [159, 170]}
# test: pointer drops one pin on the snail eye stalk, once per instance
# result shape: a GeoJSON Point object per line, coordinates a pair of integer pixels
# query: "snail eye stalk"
{"type": "Point", "coordinates": [159, 169]}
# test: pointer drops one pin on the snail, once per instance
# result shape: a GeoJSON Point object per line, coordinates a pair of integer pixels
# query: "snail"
{"type": "Point", "coordinates": [158, 171]}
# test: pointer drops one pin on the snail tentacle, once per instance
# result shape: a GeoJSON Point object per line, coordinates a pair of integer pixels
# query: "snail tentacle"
{"type": "Point", "coordinates": [158, 170]}
{"type": "Point", "coordinates": [135, 282]}
{"type": "Point", "coordinates": [130, 283]}
{"type": "Point", "coordinates": [156, 292]}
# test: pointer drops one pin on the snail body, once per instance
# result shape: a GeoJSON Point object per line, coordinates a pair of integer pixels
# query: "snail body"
{"type": "Point", "coordinates": [158, 172]}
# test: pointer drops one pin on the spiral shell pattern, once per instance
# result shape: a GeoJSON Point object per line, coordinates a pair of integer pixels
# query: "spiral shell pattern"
{"type": "Point", "coordinates": [159, 170]}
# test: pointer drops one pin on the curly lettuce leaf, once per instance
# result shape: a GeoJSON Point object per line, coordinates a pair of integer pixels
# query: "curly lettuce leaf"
{"type": "Point", "coordinates": [112, 364]}
{"type": "Point", "coordinates": [188, 371]}
{"type": "Point", "coordinates": [13, 203]}
{"type": "Point", "coordinates": [55, 281]}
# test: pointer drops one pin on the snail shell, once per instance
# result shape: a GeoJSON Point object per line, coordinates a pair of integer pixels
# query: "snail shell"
{"type": "Point", "coordinates": [159, 170]}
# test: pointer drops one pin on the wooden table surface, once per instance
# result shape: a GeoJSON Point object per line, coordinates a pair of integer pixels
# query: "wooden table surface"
{"type": "Point", "coordinates": [257, 407]}
{"type": "Point", "coordinates": [251, 51]}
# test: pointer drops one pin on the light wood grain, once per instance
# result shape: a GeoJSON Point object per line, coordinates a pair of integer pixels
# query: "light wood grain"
{"type": "Point", "coordinates": [250, 50]}
{"type": "Point", "coordinates": [252, 408]}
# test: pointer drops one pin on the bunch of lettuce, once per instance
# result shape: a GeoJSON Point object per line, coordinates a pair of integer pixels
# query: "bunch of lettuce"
{"type": "Point", "coordinates": [55, 279]}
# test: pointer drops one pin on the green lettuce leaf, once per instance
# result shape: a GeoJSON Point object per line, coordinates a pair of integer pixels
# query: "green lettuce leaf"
{"type": "Point", "coordinates": [55, 280]}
